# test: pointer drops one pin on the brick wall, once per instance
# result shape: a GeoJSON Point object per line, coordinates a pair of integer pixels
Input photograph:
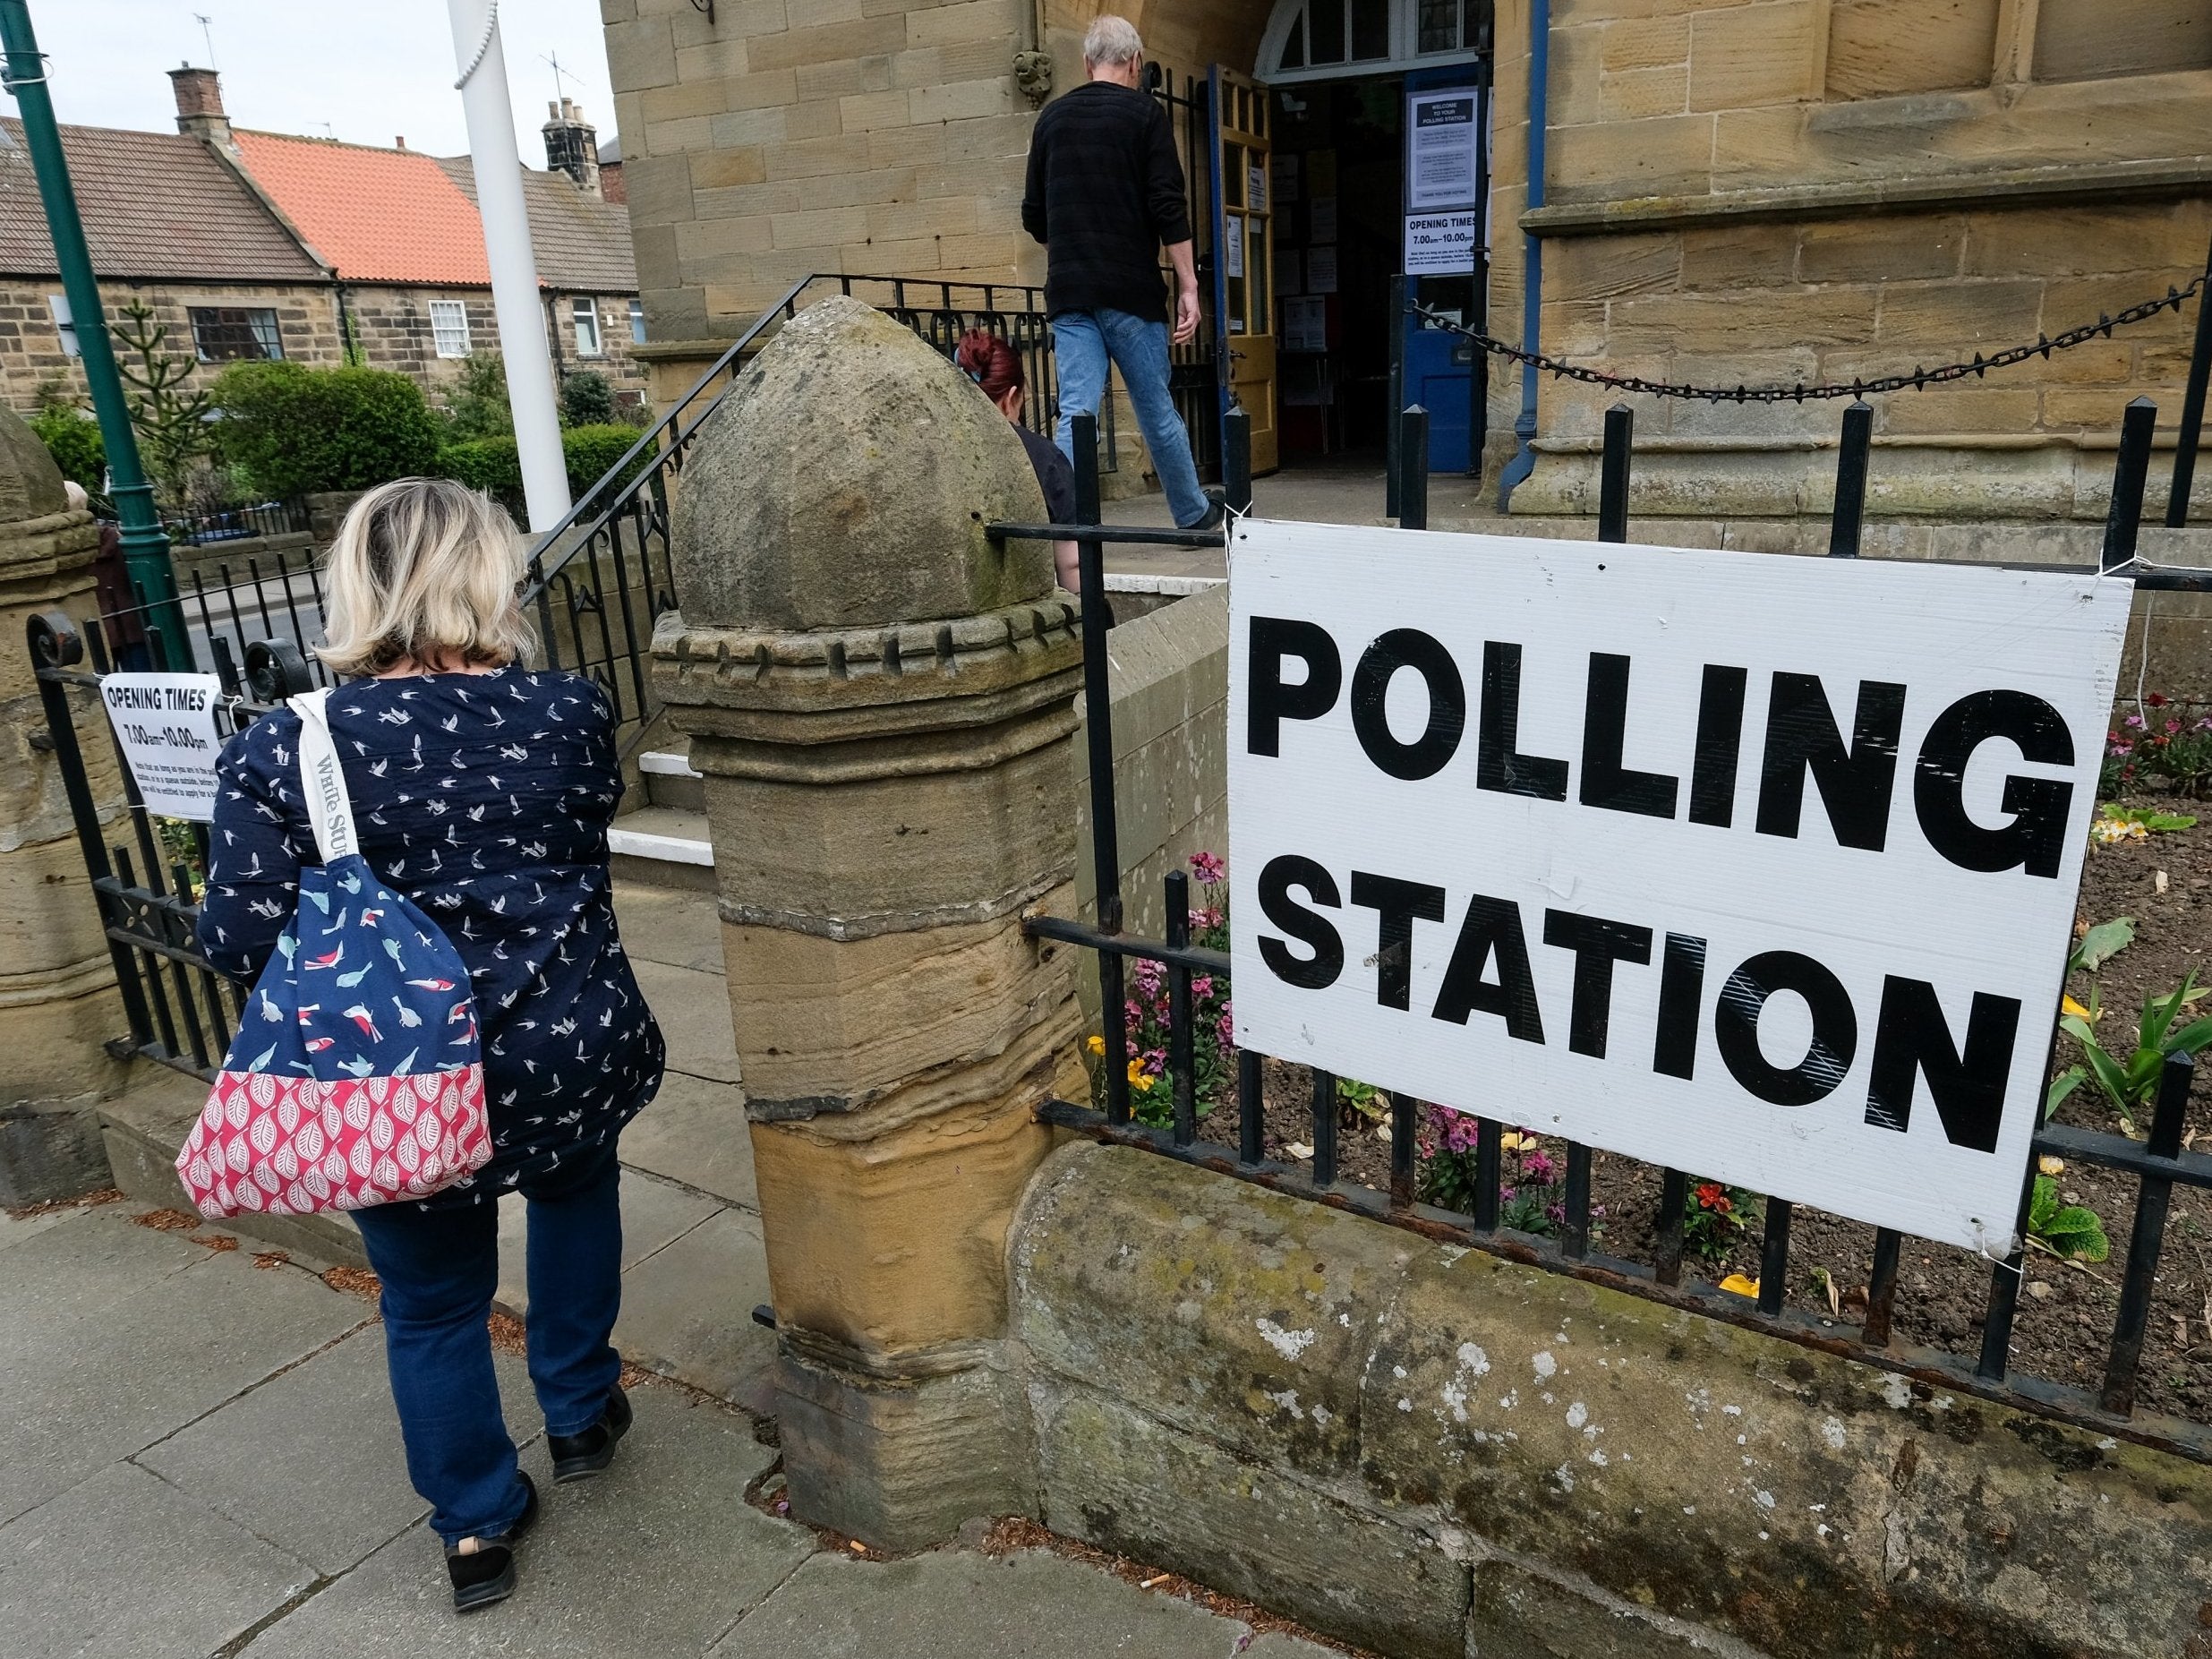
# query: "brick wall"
{"type": "Point", "coordinates": [32, 361]}
{"type": "Point", "coordinates": [393, 325]}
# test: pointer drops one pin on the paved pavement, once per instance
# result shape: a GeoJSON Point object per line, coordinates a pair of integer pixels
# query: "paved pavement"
{"type": "Point", "coordinates": [200, 1457]}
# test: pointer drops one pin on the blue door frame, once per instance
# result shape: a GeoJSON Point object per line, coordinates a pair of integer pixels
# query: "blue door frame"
{"type": "Point", "coordinates": [1442, 372]}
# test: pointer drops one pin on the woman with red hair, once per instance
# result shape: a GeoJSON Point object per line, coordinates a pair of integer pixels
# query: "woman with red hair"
{"type": "Point", "coordinates": [997, 367]}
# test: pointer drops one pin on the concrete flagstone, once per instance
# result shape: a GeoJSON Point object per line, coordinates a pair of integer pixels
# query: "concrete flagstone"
{"type": "Point", "coordinates": [669, 925]}
{"type": "Point", "coordinates": [693, 1008]}
{"type": "Point", "coordinates": [327, 1477]}
{"type": "Point", "coordinates": [82, 1267]}
{"type": "Point", "coordinates": [124, 1564]}
{"type": "Point", "coordinates": [115, 1380]}
{"type": "Point", "coordinates": [687, 1309]}
{"type": "Point", "coordinates": [955, 1605]}
{"type": "Point", "coordinates": [694, 1132]}
{"type": "Point", "coordinates": [655, 1557]}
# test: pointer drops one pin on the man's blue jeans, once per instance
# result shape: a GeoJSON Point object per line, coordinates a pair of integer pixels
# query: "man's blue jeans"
{"type": "Point", "coordinates": [1083, 340]}
{"type": "Point", "coordinates": [439, 1268]}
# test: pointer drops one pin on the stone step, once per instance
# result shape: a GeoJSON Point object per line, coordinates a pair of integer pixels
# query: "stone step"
{"type": "Point", "coordinates": [669, 781]}
{"type": "Point", "coordinates": [662, 847]}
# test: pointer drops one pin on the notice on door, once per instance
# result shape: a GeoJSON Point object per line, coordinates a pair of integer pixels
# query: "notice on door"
{"type": "Point", "coordinates": [1445, 150]}
{"type": "Point", "coordinates": [1763, 869]}
{"type": "Point", "coordinates": [166, 725]}
{"type": "Point", "coordinates": [1439, 244]}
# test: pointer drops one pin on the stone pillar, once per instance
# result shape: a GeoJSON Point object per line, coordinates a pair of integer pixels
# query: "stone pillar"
{"type": "Point", "coordinates": [880, 701]}
{"type": "Point", "coordinates": [57, 995]}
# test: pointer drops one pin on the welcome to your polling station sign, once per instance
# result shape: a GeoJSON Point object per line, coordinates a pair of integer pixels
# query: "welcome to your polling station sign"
{"type": "Point", "coordinates": [1758, 866]}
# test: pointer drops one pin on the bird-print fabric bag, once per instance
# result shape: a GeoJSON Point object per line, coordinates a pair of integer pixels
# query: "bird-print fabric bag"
{"type": "Point", "coordinates": [356, 1078]}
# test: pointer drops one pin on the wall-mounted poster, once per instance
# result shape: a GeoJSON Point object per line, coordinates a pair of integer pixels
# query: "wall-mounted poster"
{"type": "Point", "coordinates": [1305, 324]}
{"type": "Point", "coordinates": [1322, 270]}
{"type": "Point", "coordinates": [1445, 150]}
{"type": "Point", "coordinates": [1439, 244]}
{"type": "Point", "coordinates": [1321, 220]}
{"type": "Point", "coordinates": [1232, 245]}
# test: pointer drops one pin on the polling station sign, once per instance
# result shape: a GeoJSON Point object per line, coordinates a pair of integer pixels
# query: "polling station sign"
{"type": "Point", "coordinates": [1757, 867]}
{"type": "Point", "coordinates": [166, 724]}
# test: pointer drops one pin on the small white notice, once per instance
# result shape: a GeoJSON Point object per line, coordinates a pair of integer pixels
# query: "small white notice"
{"type": "Point", "coordinates": [1446, 153]}
{"type": "Point", "coordinates": [1232, 245]}
{"type": "Point", "coordinates": [1439, 244]}
{"type": "Point", "coordinates": [1762, 869]}
{"type": "Point", "coordinates": [166, 724]}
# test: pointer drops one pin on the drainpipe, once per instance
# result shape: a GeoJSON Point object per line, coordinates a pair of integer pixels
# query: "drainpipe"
{"type": "Point", "coordinates": [145, 544]}
{"type": "Point", "coordinates": [514, 297]}
{"type": "Point", "coordinates": [1523, 461]}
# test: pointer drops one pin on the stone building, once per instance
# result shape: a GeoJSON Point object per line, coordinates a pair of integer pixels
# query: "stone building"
{"type": "Point", "coordinates": [252, 245]}
{"type": "Point", "coordinates": [1734, 191]}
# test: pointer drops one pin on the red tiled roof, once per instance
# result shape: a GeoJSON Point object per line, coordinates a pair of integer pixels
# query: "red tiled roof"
{"type": "Point", "coordinates": [155, 206]}
{"type": "Point", "coordinates": [377, 214]}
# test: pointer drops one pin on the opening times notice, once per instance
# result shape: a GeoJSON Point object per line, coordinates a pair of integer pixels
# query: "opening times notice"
{"type": "Point", "coordinates": [166, 726]}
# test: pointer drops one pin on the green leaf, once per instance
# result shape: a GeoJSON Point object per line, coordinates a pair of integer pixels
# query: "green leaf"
{"type": "Point", "coordinates": [2159, 1012]}
{"type": "Point", "coordinates": [2043, 1205]}
{"type": "Point", "coordinates": [2078, 1029]}
{"type": "Point", "coordinates": [2159, 821]}
{"type": "Point", "coordinates": [2192, 1037]}
{"type": "Point", "coordinates": [2063, 1085]}
{"type": "Point", "coordinates": [2107, 939]}
{"type": "Point", "coordinates": [2110, 1077]}
{"type": "Point", "coordinates": [2078, 1232]}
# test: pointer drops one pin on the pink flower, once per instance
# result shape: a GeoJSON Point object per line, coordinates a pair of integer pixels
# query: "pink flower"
{"type": "Point", "coordinates": [1203, 984]}
{"type": "Point", "coordinates": [1209, 869]}
{"type": "Point", "coordinates": [2134, 723]}
{"type": "Point", "coordinates": [1148, 973]}
{"type": "Point", "coordinates": [1540, 1170]}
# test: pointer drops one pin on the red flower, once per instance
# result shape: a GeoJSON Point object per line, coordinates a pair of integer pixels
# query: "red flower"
{"type": "Point", "coordinates": [1711, 1197]}
{"type": "Point", "coordinates": [2157, 699]}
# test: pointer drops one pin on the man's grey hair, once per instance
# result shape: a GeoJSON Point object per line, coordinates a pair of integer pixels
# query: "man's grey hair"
{"type": "Point", "coordinates": [1113, 40]}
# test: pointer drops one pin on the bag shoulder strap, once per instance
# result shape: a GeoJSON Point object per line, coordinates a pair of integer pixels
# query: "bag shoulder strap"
{"type": "Point", "coordinates": [329, 809]}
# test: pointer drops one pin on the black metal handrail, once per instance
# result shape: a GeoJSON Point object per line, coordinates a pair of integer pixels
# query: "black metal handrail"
{"type": "Point", "coordinates": [604, 570]}
{"type": "Point", "coordinates": [2160, 1164]}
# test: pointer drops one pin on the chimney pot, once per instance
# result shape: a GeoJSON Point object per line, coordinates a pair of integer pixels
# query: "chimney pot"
{"type": "Point", "coordinates": [401, 140]}
{"type": "Point", "coordinates": [199, 104]}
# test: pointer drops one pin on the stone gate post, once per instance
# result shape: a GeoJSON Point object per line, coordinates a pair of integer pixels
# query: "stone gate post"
{"type": "Point", "coordinates": [881, 702]}
{"type": "Point", "coordinates": [58, 1002]}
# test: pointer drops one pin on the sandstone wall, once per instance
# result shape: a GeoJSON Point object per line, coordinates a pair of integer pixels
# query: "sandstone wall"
{"type": "Point", "coordinates": [1425, 1450]}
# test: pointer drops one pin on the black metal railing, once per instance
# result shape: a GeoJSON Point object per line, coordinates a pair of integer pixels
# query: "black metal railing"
{"type": "Point", "coordinates": [147, 871]}
{"type": "Point", "coordinates": [601, 578]}
{"type": "Point", "coordinates": [238, 524]}
{"type": "Point", "coordinates": [2159, 1164]}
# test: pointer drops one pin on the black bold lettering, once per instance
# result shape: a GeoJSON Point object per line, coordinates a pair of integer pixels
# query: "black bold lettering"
{"type": "Point", "coordinates": [1396, 903]}
{"type": "Point", "coordinates": [1270, 702]}
{"type": "Point", "coordinates": [1447, 724]}
{"type": "Point", "coordinates": [1719, 746]}
{"type": "Point", "coordinates": [1605, 782]}
{"type": "Point", "coordinates": [1597, 943]}
{"type": "Point", "coordinates": [2035, 840]}
{"type": "Point", "coordinates": [1280, 875]}
{"type": "Point", "coordinates": [1491, 926]}
{"type": "Point", "coordinates": [1835, 1028]}
{"type": "Point", "coordinates": [1681, 990]}
{"type": "Point", "coordinates": [1499, 763]}
{"type": "Point", "coordinates": [1854, 783]}
{"type": "Point", "coordinates": [1912, 1039]}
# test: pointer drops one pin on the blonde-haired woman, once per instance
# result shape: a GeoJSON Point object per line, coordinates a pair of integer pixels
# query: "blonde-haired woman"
{"type": "Point", "coordinates": [482, 791]}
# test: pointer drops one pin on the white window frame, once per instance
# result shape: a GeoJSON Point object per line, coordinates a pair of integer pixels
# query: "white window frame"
{"type": "Point", "coordinates": [584, 317]}
{"type": "Point", "coordinates": [65, 324]}
{"type": "Point", "coordinates": [1404, 36]}
{"type": "Point", "coordinates": [448, 327]}
{"type": "Point", "coordinates": [637, 322]}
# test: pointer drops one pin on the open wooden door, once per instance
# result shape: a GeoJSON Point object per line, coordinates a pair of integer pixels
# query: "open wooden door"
{"type": "Point", "coordinates": [1244, 262]}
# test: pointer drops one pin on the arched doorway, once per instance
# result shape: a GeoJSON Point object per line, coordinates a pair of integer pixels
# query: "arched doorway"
{"type": "Point", "coordinates": [1377, 121]}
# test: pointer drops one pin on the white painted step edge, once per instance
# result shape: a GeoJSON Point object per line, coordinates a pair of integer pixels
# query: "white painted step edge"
{"type": "Point", "coordinates": [665, 765]}
{"type": "Point", "coordinates": [665, 849]}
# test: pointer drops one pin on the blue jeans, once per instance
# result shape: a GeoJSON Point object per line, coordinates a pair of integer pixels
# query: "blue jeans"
{"type": "Point", "coordinates": [440, 1269]}
{"type": "Point", "coordinates": [1083, 340]}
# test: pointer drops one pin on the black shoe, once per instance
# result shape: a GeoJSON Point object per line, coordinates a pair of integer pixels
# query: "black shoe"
{"type": "Point", "coordinates": [579, 1456]}
{"type": "Point", "coordinates": [1217, 512]}
{"type": "Point", "coordinates": [482, 1569]}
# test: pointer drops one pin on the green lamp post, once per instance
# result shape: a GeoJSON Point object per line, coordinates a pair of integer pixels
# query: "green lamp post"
{"type": "Point", "coordinates": [145, 544]}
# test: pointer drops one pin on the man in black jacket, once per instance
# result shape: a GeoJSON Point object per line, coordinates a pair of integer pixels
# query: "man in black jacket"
{"type": "Point", "coordinates": [1106, 191]}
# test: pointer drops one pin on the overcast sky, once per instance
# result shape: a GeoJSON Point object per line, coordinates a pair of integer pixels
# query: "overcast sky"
{"type": "Point", "coordinates": [365, 71]}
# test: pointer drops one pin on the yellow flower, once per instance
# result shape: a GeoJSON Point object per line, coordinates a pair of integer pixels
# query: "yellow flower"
{"type": "Point", "coordinates": [1510, 1142]}
{"type": "Point", "coordinates": [2067, 1005]}
{"type": "Point", "coordinates": [1139, 1078]}
{"type": "Point", "coordinates": [1094, 1043]}
{"type": "Point", "coordinates": [1736, 1284]}
{"type": "Point", "coordinates": [2051, 1166]}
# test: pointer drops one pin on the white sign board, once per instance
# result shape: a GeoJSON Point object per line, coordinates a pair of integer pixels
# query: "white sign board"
{"type": "Point", "coordinates": [1439, 244]}
{"type": "Point", "coordinates": [1443, 165]}
{"type": "Point", "coordinates": [1762, 869]}
{"type": "Point", "coordinates": [166, 724]}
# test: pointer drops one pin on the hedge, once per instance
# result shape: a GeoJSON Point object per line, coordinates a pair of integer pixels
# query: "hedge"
{"type": "Point", "coordinates": [72, 438]}
{"type": "Point", "coordinates": [296, 429]}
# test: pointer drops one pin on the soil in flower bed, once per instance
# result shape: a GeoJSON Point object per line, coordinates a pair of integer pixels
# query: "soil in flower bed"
{"type": "Point", "coordinates": [2064, 1323]}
